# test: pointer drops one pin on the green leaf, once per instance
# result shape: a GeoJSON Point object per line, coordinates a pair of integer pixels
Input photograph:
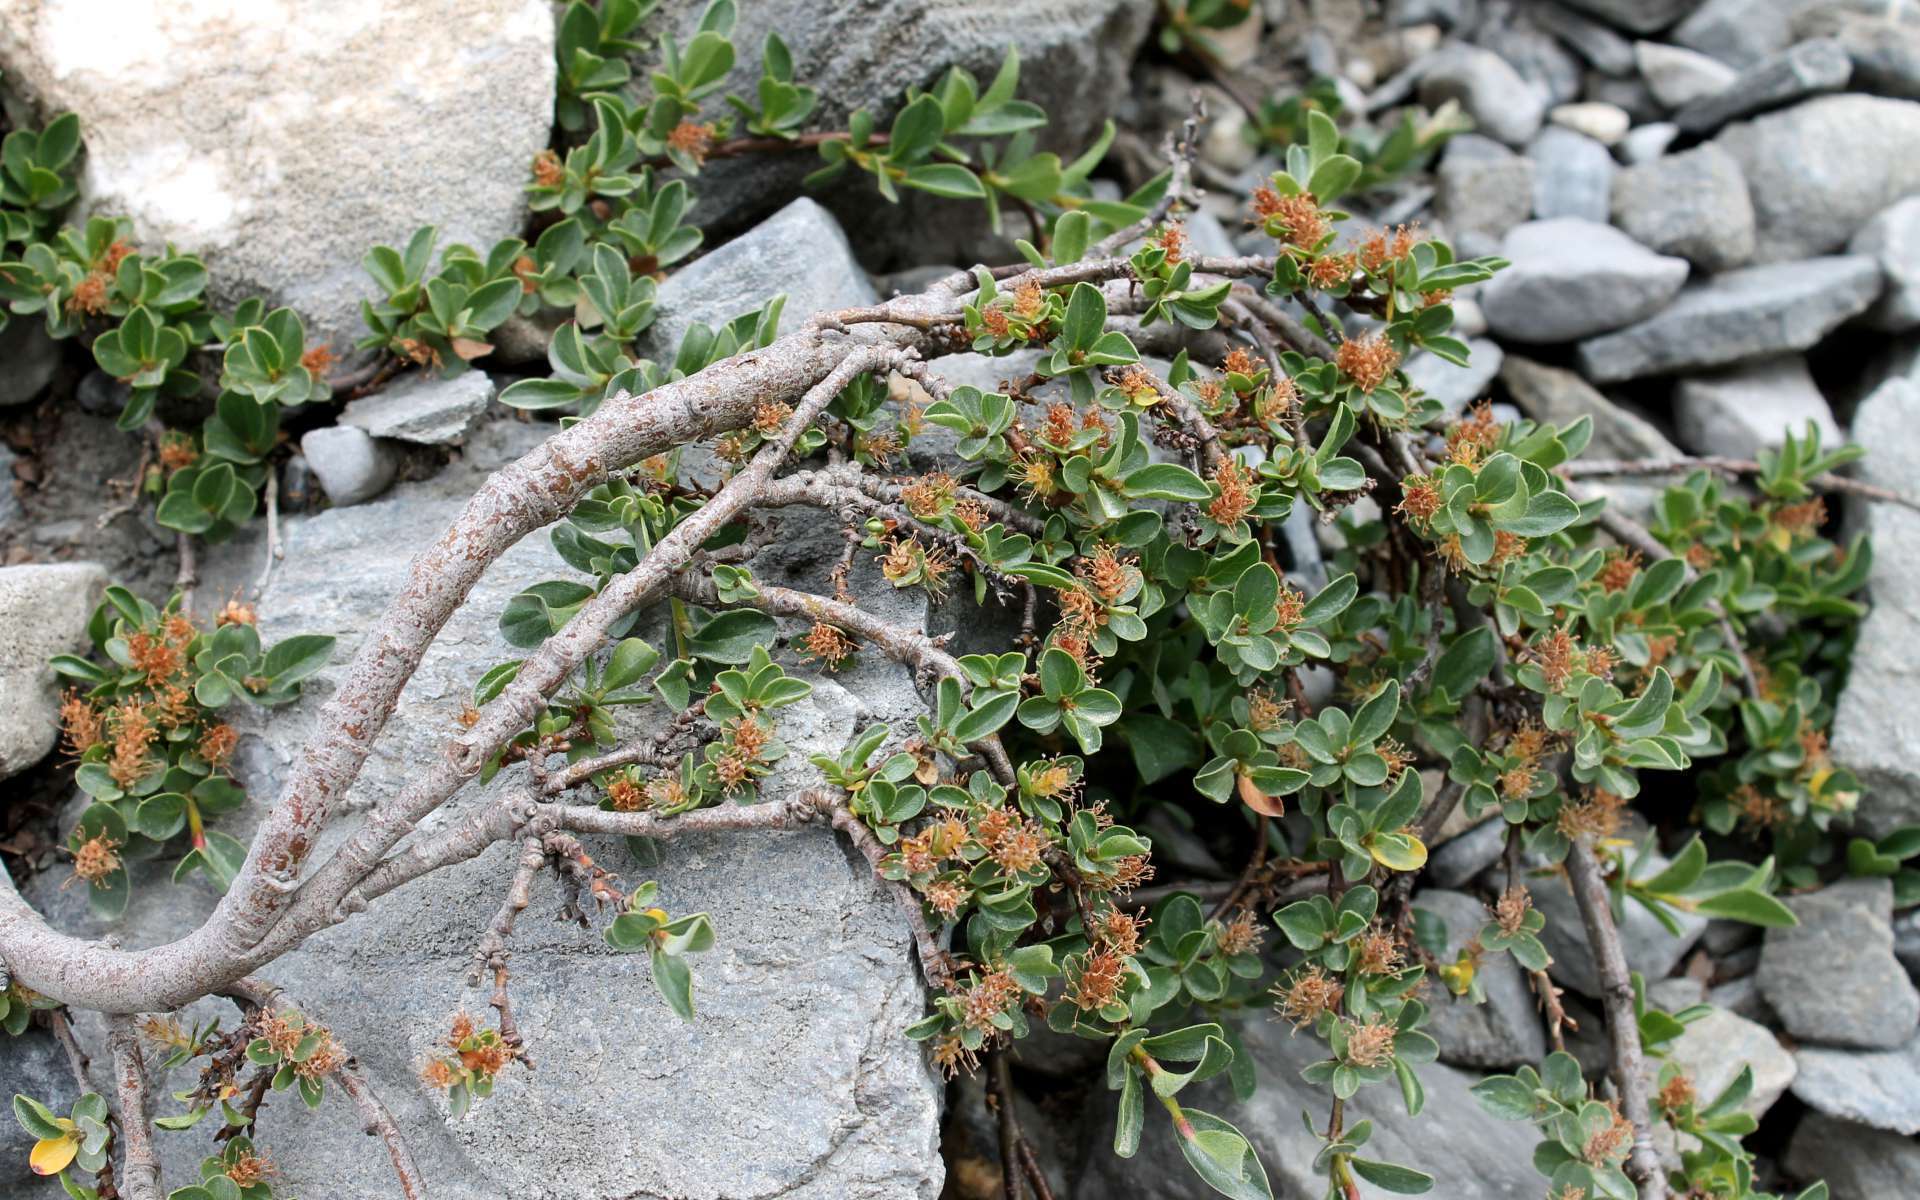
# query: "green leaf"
{"type": "Point", "coordinates": [988, 717]}
{"type": "Point", "coordinates": [1754, 908]}
{"type": "Point", "coordinates": [731, 637]}
{"type": "Point", "coordinates": [1167, 481]}
{"type": "Point", "coordinates": [1222, 1157]}
{"type": "Point", "coordinates": [1403, 1181]}
{"type": "Point", "coordinates": [1547, 512]}
{"type": "Point", "coordinates": [946, 179]}
{"type": "Point", "coordinates": [674, 979]}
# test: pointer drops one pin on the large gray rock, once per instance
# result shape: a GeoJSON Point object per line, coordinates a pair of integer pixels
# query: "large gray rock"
{"type": "Point", "coordinates": [1595, 41]}
{"type": "Point", "coordinates": [1808, 69]}
{"type": "Point", "coordinates": [283, 143]}
{"type": "Point", "coordinates": [30, 357]}
{"type": "Point", "coordinates": [1742, 315]}
{"type": "Point", "coordinates": [1693, 204]}
{"type": "Point", "coordinates": [351, 464]}
{"type": "Point", "coordinates": [1834, 978]}
{"type": "Point", "coordinates": [1536, 56]}
{"type": "Point", "coordinates": [1639, 16]}
{"type": "Point", "coordinates": [793, 1080]}
{"type": "Point", "coordinates": [1819, 170]}
{"type": "Point", "coordinates": [1558, 395]}
{"type": "Point", "coordinates": [1455, 386]}
{"type": "Point", "coordinates": [1869, 1087]}
{"type": "Point", "coordinates": [1740, 32]}
{"type": "Point", "coordinates": [423, 408]}
{"type": "Point", "coordinates": [1893, 238]}
{"type": "Point", "coordinates": [1678, 76]}
{"type": "Point", "coordinates": [1503, 106]}
{"type": "Point", "coordinates": [1857, 1163]}
{"type": "Point", "coordinates": [1468, 1151]}
{"type": "Point", "coordinates": [32, 1064]}
{"type": "Point", "coordinates": [1074, 58]}
{"type": "Point", "coordinates": [1882, 39]}
{"type": "Point", "coordinates": [1650, 949]}
{"type": "Point", "coordinates": [1742, 411]}
{"type": "Point", "coordinates": [1572, 278]}
{"type": "Point", "coordinates": [1482, 189]}
{"type": "Point", "coordinates": [800, 251]}
{"type": "Point", "coordinates": [43, 612]}
{"type": "Point", "coordinates": [1572, 174]}
{"type": "Point", "coordinates": [1505, 1030]}
{"type": "Point", "coordinates": [1713, 1050]}
{"type": "Point", "coordinates": [1878, 718]}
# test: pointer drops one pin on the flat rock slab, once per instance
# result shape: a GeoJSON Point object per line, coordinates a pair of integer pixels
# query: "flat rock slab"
{"type": "Point", "coordinates": [1468, 1151]}
{"type": "Point", "coordinates": [1880, 1088]}
{"type": "Point", "coordinates": [1736, 317]}
{"type": "Point", "coordinates": [1877, 722]}
{"type": "Point", "coordinates": [424, 409]}
{"type": "Point", "coordinates": [794, 1079]}
{"type": "Point", "coordinates": [282, 142]}
{"type": "Point", "coordinates": [43, 612]}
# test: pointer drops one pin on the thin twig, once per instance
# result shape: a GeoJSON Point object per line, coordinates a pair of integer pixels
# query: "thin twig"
{"type": "Point", "coordinates": [77, 1060]}
{"type": "Point", "coordinates": [1617, 468]}
{"type": "Point", "coordinates": [139, 1167]}
{"type": "Point", "coordinates": [1623, 1028]}
{"type": "Point", "coordinates": [275, 552]}
{"type": "Point", "coordinates": [1000, 1101]}
{"type": "Point", "coordinates": [187, 578]}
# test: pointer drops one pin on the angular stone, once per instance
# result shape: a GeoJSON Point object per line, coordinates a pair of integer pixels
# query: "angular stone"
{"type": "Point", "coordinates": [1646, 143]}
{"type": "Point", "coordinates": [1572, 278]}
{"type": "Point", "coordinates": [1482, 193]}
{"type": "Point", "coordinates": [30, 358]}
{"type": "Point", "coordinates": [424, 409]}
{"type": "Point", "coordinates": [1819, 170]}
{"type": "Point", "coordinates": [281, 144]}
{"type": "Point", "coordinates": [1638, 16]}
{"type": "Point", "coordinates": [1738, 413]}
{"type": "Point", "coordinates": [1883, 40]}
{"type": "Point", "coordinates": [351, 465]}
{"type": "Point", "coordinates": [1454, 386]}
{"type": "Point", "coordinates": [1650, 949]}
{"type": "Point", "coordinates": [43, 612]}
{"type": "Point", "coordinates": [1598, 43]}
{"type": "Point", "coordinates": [1502, 104]}
{"type": "Point", "coordinates": [794, 1079]}
{"type": "Point", "coordinates": [1693, 204]}
{"type": "Point", "coordinates": [1857, 1162]}
{"type": "Point", "coordinates": [1604, 123]}
{"type": "Point", "coordinates": [1457, 860]}
{"type": "Point", "coordinates": [1554, 394]}
{"type": "Point", "coordinates": [800, 251]}
{"type": "Point", "coordinates": [1808, 69]}
{"type": "Point", "coordinates": [1468, 1151]}
{"type": "Point", "coordinates": [1893, 238]}
{"type": "Point", "coordinates": [1739, 32]}
{"type": "Point", "coordinates": [1678, 76]}
{"type": "Point", "coordinates": [1834, 978]}
{"type": "Point", "coordinates": [1870, 1087]}
{"type": "Point", "coordinates": [1877, 721]}
{"type": "Point", "coordinates": [1742, 315]}
{"type": "Point", "coordinates": [1505, 1030]}
{"type": "Point", "coordinates": [1572, 175]}
{"type": "Point", "coordinates": [1536, 56]}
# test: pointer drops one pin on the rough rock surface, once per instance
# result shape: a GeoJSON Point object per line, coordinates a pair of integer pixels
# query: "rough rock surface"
{"type": "Point", "coordinates": [1714, 1049]}
{"type": "Point", "coordinates": [1572, 278]}
{"type": "Point", "coordinates": [1738, 412]}
{"type": "Point", "coordinates": [351, 464]}
{"type": "Point", "coordinates": [281, 142]}
{"type": "Point", "coordinates": [1649, 948]}
{"type": "Point", "coordinates": [1468, 1151]}
{"type": "Point", "coordinates": [800, 251]}
{"type": "Point", "coordinates": [1502, 1032]}
{"type": "Point", "coordinates": [1741, 315]}
{"type": "Point", "coordinates": [1483, 190]}
{"type": "Point", "coordinates": [1572, 175]}
{"type": "Point", "coordinates": [1819, 170]}
{"type": "Point", "coordinates": [1678, 76]}
{"type": "Point", "coordinates": [43, 612]}
{"type": "Point", "coordinates": [424, 409]}
{"type": "Point", "coordinates": [1503, 105]}
{"type": "Point", "coordinates": [1640, 16]}
{"type": "Point", "coordinates": [1739, 32]}
{"type": "Point", "coordinates": [1555, 394]}
{"type": "Point", "coordinates": [1857, 1163]}
{"type": "Point", "coordinates": [1871, 1087]}
{"type": "Point", "coordinates": [1834, 978]}
{"type": "Point", "coordinates": [801, 1002]}
{"type": "Point", "coordinates": [1893, 238]}
{"type": "Point", "coordinates": [1808, 69]}
{"type": "Point", "coordinates": [30, 357]}
{"type": "Point", "coordinates": [1693, 204]}
{"type": "Point", "coordinates": [1878, 719]}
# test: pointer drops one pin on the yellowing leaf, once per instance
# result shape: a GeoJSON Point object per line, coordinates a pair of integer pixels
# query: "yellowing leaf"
{"type": "Point", "coordinates": [1398, 851]}
{"type": "Point", "coordinates": [1259, 801]}
{"type": "Point", "coordinates": [52, 1155]}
